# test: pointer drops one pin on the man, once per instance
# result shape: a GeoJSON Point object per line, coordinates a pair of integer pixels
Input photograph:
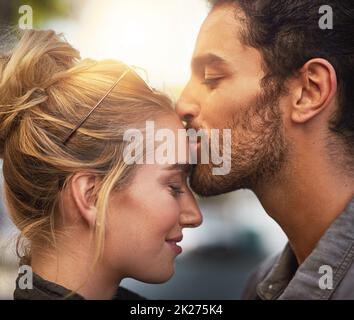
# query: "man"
{"type": "Point", "coordinates": [285, 86]}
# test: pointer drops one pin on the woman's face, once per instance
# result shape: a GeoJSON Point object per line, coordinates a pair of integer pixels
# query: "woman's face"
{"type": "Point", "coordinates": [146, 219]}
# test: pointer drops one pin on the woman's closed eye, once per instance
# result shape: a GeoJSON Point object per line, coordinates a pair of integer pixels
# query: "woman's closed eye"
{"type": "Point", "coordinates": [176, 190]}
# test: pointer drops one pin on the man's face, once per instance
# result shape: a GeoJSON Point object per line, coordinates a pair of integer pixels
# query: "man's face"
{"type": "Point", "coordinates": [224, 92]}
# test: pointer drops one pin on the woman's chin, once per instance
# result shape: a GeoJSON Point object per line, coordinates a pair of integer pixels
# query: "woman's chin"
{"type": "Point", "coordinates": [159, 277]}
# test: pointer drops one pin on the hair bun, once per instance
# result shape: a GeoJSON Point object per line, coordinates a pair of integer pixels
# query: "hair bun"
{"type": "Point", "coordinates": [28, 61]}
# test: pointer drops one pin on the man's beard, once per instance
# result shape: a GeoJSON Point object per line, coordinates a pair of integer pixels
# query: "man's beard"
{"type": "Point", "coordinates": [258, 150]}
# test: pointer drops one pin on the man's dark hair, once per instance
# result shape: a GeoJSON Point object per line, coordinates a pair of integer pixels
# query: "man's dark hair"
{"type": "Point", "coordinates": [287, 33]}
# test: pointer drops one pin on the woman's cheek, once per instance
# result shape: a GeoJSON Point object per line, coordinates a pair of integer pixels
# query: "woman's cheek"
{"type": "Point", "coordinates": [172, 213]}
{"type": "Point", "coordinates": [167, 215]}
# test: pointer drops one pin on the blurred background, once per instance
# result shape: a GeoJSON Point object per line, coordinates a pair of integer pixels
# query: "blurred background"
{"type": "Point", "coordinates": [159, 36]}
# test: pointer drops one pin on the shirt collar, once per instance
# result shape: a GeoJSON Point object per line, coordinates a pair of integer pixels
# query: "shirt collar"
{"type": "Point", "coordinates": [335, 250]}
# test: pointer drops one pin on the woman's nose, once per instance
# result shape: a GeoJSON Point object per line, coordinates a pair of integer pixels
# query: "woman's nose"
{"type": "Point", "coordinates": [190, 216]}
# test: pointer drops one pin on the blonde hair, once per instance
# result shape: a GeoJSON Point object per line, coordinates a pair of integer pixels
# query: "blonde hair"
{"type": "Point", "coordinates": [45, 90]}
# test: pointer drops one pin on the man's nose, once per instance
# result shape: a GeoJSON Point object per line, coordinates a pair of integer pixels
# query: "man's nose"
{"type": "Point", "coordinates": [190, 216]}
{"type": "Point", "coordinates": [187, 109]}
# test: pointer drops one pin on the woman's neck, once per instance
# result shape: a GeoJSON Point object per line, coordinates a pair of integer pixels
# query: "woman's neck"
{"type": "Point", "coordinates": [75, 272]}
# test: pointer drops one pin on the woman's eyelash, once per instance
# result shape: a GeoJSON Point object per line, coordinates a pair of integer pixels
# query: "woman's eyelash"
{"type": "Point", "coordinates": [176, 190]}
{"type": "Point", "coordinates": [209, 81]}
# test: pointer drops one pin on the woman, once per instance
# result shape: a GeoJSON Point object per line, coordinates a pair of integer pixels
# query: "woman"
{"type": "Point", "coordinates": [87, 219]}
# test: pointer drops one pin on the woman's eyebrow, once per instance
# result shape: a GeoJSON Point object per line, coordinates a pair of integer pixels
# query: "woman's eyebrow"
{"type": "Point", "coordinates": [184, 167]}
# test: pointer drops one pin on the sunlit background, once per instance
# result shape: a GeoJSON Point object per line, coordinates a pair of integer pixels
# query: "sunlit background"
{"type": "Point", "coordinates": [158, 35]}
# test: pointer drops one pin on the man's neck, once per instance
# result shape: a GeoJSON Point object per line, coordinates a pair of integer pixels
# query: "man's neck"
{"type": "Point", "coordinates": [306, 201]}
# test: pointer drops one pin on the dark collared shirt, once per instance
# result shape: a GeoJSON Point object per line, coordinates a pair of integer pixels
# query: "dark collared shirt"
{"type": "Point", "coordinates": [46, 290]}
{"type": "Point", "coordinates": [327, 273]}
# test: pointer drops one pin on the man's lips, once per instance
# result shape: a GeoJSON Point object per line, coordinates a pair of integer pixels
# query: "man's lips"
{"type": "Point", "coordinates": [194, 141]}
{"type": "Point", "coordinates": [173, 243]}
{"type": "Point", "coordinates": [194, 145]}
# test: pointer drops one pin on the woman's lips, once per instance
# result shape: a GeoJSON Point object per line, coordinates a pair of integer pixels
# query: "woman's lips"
{"type": "Point", "coordinates": [173, 244]}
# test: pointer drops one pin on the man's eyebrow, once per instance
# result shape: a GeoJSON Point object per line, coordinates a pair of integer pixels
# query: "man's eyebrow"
{"type": "Point", "coordinates": [207, 59]}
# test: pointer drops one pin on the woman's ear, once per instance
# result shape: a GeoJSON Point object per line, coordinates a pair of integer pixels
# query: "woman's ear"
{"type": "Point", "coordinates": [314, 90]}
{"type": "Point", "coordinates": [82, 187]}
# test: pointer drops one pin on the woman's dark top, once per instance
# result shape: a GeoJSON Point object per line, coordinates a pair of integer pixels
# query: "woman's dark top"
{"type": "Point", "coordinates": [46, 290]}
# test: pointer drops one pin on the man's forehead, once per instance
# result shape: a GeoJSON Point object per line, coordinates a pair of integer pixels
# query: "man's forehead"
{"type": "Point", "coordinates": [224, 17]}
{"type": "Point", "coordinates": [219, 34]}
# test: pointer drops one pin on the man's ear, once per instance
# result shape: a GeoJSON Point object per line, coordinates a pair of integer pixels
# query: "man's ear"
{"type": "Point", "coordinates": [314, 90]}
{"type": "Point", "coordinates": [82, 187]}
